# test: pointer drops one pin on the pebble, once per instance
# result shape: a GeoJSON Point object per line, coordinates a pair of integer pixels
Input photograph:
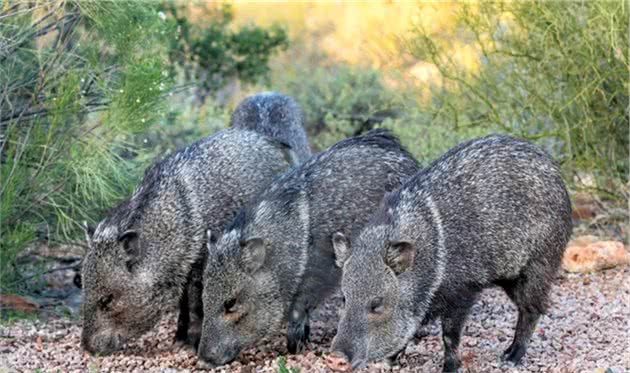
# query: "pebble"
{"type": "Point", "coordinates": [585, 330]}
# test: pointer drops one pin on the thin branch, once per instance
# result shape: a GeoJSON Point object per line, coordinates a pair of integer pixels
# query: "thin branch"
{"type": "Point", "coordinates": [32, 257]}
{"type": "Point", "coordinates": [25, 10]}
{"type": "Point", "coordinates": [25, 38]}
{"type": "Point", "coordinates": [8, 13]}
{"type": "Point", "coordinates": [62, 268]}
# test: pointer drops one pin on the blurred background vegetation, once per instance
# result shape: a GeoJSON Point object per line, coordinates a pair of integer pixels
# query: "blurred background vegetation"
{"type": "Point", "coordinates": [92, 92]}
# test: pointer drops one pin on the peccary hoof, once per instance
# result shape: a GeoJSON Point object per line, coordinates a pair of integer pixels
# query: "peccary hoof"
{"type": "Point", "coordinates": [295, 345]}
{"type": "Point", "coordinates": [298, 335]}
{"type": "Point", "coordinates": [451, 365]}
{"type": "Point", "coordinates": [514, 354]}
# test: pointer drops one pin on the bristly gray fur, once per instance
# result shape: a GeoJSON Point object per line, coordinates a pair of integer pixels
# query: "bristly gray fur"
{"type": "Point", "coordinates": [275, 262]}
{"type": "Point", "coordinates": [277, 116]}
{"type": "Point", "coordinates": [148, 253]}
{"type": "Point", "coordinates": [491, 211]}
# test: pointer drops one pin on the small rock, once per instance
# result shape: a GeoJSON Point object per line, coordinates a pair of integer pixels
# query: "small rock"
{"type": "Point", "coordinates": [586, 254]}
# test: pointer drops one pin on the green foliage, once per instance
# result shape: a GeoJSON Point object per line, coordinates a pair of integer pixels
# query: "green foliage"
{"type": "Point", "coordinates": [84, 109]}
{"type": "Point", "coordinates": [65, 111]}
{"type": "Point", "coordinates": [184, 122]}
{"type": "Point", "coordinates": [425, 137]}
{"type": "Point", "coordinates": [340, 101]}
{"type": "Point", "coordinates": [282, 366]}
{"type": "Point", "coordinates": [553, 72]}
{"type": "Point", "coordinates": [9, 316]}
{"type": "Point", "coordinates": [214, 55]}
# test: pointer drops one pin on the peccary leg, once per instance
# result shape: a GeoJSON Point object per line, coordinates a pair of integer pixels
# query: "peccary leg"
{"type": "Point", "coordinates": [190, 311]}
{"type": "Point", "coordinates": [183, 320]}
{"type": "Point", "coordinates": [195, 308]}
{"type": "Point", "coordinates": [298, 330]}
{"type": "Point", "coordinates": [524, 328]}
{"type": "Point", "coordinates": [529, 293]}
{"type": "Point", "coordinates": [452, 325]}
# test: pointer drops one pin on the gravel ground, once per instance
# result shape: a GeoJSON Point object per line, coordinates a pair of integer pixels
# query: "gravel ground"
{"type": "Point", "coordinates": [585, 330]}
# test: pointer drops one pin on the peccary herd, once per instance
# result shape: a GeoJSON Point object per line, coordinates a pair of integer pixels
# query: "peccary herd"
{"type": "Point", "coordinates": [245, 233]}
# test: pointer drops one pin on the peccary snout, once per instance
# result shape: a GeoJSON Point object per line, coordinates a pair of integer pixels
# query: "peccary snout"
{"type": "Point", "coordinates": [344, 349]}
{"type": "Point", "coordinates": [216, 355]}
{"type": "Point", "coordinates": [102, 343]}
{"type": "Point", "coordinates": [351, 345]}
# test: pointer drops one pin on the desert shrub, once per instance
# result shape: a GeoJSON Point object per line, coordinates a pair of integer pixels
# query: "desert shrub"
{"type": "Point", "coordinates": [213, 54]}
{"type": "Point", "coordinates": [76, 77]}
{"type": "Point", "coordinates": [553, 72]}
{"type": "Point", "coordinates": [340, 100]}
{"type": "Point", "coordinates": [88, 99]}
{"type": "Point", "coordinates": [426, 138]}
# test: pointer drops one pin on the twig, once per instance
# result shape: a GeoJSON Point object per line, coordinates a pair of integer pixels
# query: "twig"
{"type": "Point", "coordinates": [33, 257]}
{"type": "Point", "coordinates": [64, 268]}
{"type": "Point", "coordinates": [25, 38]}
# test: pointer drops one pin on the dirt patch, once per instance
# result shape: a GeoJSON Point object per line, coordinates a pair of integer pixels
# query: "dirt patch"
{"type": "Point", "coordinates": [586, 329]}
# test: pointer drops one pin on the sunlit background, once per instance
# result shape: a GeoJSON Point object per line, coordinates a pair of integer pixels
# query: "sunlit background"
{"type": "Point", "coordinates": [93, 92]}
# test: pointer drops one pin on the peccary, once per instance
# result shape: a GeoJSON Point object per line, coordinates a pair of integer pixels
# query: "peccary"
{"type": "Point", "coordinates": [148, 253]}
{"type": "Point", "coordinates": [491, 211]}
{"type": "Point", "coordinates": [275, 115]}
{"type": "Point", "coordinates": [275, 262]}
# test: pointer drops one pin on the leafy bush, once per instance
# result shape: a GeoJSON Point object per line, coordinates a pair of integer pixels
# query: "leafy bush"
{"type": "Point", "coordinates": [83, 106]}
{"type": "Point", "coordinates": [554, 72]}
{"type": "Point", "coordinates": [76, 77]}
{"type": "Point", "coordinates": [212, 55]}
{"type": "Point", "coordinates": [340, 101]}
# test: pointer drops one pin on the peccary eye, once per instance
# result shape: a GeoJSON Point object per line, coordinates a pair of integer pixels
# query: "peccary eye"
{"type": "Point", "coordinates": [230, 305]}
{"type": "Point", "coordinates": [376, 306]}
{"type": "Point", "coordinates": [104, 302]}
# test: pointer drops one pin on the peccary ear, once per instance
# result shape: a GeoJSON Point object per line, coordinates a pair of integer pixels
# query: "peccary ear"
{"type": "Point", "coordinates": [342, 249]}
{"type": "Point", "coordinates": [89, 232]}
{"type": "Point", "coordinates": [252, 254]}
{"type": "Point", "coordinates": [400, 256]}
{"type": "Point", "coordinates": [129, 243]}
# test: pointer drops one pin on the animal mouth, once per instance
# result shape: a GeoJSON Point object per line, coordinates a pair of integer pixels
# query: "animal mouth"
{"type": "Point", "coordinates": [203, 364]}
{"type": "Point", "coordinates": [104, 344]}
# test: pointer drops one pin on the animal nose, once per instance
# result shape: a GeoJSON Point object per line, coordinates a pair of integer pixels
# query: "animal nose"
{"type": "Point", "coordinates": [338, 361]}
{"type": "Point", "coordinates": [207, 356]}
{"type": "Point", "coordinates": [343, 351]}
{"type": "Point", "coordinates": [203, 364]}
{"type": "Point", "coordinates": [214, 356]}
{"type": "Point", "coordinates": [103, 344]}
{"type": "Point", "coordinates": [206, 360]}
